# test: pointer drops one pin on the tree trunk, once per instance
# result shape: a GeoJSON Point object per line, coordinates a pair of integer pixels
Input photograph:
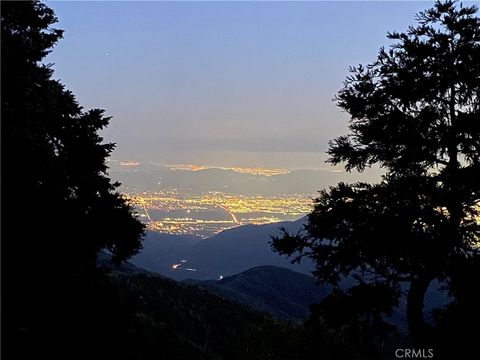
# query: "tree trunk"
{"type": "Point", "coordinates": [416, 324]}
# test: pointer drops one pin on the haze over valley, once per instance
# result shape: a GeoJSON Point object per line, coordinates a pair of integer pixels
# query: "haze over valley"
{"type": "Point", "coordinates": [203, 200]}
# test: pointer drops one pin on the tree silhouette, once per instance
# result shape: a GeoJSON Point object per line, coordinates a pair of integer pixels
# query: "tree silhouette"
{"type": "Point", "coordinates": [415, 113]}
{"type": "Point", "coordinates": [59, 207]}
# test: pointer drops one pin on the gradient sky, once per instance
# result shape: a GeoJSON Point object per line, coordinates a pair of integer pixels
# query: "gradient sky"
{"type": "Point", "coordinates": [220, 83]}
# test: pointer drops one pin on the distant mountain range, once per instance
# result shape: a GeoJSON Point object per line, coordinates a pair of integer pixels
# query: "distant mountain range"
{"type": "Point", "coordinates": [238, 264]}
{"type": "Point", "coordinates": [153, 177]}
{"type": "Point", "coordinates": [160, 251]}
{"type": "Point", "coordinates": [227, 253]}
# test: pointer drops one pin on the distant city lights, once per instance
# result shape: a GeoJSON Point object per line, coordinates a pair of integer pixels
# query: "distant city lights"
{"type": "Point", "coordinates": [180, 212]}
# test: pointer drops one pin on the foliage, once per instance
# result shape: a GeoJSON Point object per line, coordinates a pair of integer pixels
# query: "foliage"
{"type": "Point", "coordinates": [415, 113]}
{"type": "Point", "coordinates": [59, 205]}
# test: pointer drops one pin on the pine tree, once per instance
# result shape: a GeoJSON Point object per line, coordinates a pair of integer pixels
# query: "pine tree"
{"type": "Point", "coordinates": [59, 206]}
{"type": "Point", "coordinates": [415, 113]}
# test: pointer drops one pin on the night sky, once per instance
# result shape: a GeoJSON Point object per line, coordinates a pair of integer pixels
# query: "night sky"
{"type": "Point", "coordinates": [220, 83]}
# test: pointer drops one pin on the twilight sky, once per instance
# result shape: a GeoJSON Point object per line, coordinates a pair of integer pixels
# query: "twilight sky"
{"type": "Point", "coordinates": [220, 83]}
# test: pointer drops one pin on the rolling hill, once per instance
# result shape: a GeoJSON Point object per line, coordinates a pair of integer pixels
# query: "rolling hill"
{"type": "Point", "coordinates": [235, 250]}
{"type": "Point", "coordinates": [278, 291]}
{"type": "Point", "coordinates": [160, 251]}
{"type": "Point", "coordinates": [227, 253]}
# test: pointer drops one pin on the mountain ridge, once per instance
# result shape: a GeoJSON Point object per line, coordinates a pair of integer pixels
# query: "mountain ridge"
{"type": "Point", "coordinates": [227, 253]}
{"type": "Point", "coordinates": [278, 291]}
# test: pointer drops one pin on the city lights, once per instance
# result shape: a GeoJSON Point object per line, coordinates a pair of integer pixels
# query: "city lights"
{"type": "Point", "coordinates": [181, 212]}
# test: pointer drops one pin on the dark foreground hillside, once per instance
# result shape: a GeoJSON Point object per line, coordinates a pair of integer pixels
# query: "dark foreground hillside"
{"type": "Point", "coordinates": [252, 315]}
{"type": "Point", "coordinates": [182, 321]}
{"type": "Point", "coordinates": [132, 314]}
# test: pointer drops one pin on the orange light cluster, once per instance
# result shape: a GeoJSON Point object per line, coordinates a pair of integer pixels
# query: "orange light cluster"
{"type": "Point", "coordinates": [262, 171]}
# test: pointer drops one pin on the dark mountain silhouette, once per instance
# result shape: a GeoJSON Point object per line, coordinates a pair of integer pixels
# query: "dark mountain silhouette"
{"type": "Point", "coordinates": [274, 291]}
{"type": "Point", "coordinates": [227, 253]}
{"type": "Point", "coordinates": [278, 291]}
{"type": "Point", "coordinates": [214, 319]}
{"type": "Point", "coordinates": [160, 251]}
{"type": "Point", "coordinates": [249, 271]}
{"type": "Point", "coordinates": [235, 250]}
{"type": "Point", "coordinates": [150, 177]}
